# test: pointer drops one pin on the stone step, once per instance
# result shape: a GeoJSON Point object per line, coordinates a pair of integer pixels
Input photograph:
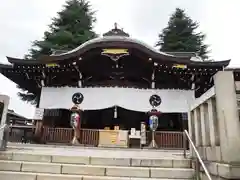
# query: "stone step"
{"type": "Point", "coordinates": [7, 175]}
{"type": "Point", "coordinates": [108, 161]}
{"type": "Point", "coordinates": [95, 151]}
{"type": "Point", "coordinates": [93, 170]}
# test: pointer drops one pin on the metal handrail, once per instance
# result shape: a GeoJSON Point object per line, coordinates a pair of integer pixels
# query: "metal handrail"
{"type": "Point", "coordinates": [197, 153]}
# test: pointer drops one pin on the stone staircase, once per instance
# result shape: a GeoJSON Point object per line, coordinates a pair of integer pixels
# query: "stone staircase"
{"type": "Point", "coordinates": [75, 163]}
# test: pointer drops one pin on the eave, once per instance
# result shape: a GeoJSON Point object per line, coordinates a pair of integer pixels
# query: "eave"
{"type": "Point", "coordinates": [217, 64]}
{"type": "Point", "coordinates": [6, 66]}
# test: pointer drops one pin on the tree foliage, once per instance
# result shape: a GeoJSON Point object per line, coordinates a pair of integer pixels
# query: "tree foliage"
{"type": "Point", "coordinates": [72, 27]}
{"type": "Point", "coordinates": [181, 35]}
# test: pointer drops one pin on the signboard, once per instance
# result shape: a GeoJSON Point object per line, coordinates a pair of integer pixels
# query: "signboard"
{"type": "Point", "coordinates": [180, 66]}
{"type": "Point", "coordinates": [52, 65]}
{"type": "Point", "coordinates": [115, 51]}
{"type": "Point", "coordinates": [143, 133]}
{"type": "Point", "coordinates": [39, 112]}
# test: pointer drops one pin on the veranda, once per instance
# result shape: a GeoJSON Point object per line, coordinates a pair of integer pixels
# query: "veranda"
{"type": "Point", "coordinates": [90, 137]}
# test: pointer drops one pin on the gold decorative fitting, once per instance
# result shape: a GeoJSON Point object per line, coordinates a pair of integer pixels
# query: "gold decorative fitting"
{"type": "Point", "coordinates": [115, 54]}
{"type": "Point", "coordinates": [180, 66]}
{"type": "Point", "coordinates": [52, 65]}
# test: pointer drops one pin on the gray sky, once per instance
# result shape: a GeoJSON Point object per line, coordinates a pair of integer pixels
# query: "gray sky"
{"type": "Point", "coordinates": [24, 21]}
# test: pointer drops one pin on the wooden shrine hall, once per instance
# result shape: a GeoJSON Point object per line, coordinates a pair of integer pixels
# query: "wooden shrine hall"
{"type": "Point", "coordinates": [116, 75]}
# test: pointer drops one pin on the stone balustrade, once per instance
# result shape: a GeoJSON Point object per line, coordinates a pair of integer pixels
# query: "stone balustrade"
{"type": "Point", "coordinates": [214, 126]}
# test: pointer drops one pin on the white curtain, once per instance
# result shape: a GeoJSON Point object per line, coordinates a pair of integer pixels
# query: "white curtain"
{"type": "Point", "coordinates": [128, 98]}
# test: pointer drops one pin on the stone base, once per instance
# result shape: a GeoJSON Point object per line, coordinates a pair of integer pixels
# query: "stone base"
{"type": "Point", "coordinates": [3, 145]}
{"type": "Point", "coordinates": [75, 141]}
{"type": "Point", "coordinates": [222, 171]}
{"type": "Point", "coordinates": [210, 153]}
{"type": "Point", "coordinates": [204, 177]}
{"type": "Point", "coordinates": [218, 169]}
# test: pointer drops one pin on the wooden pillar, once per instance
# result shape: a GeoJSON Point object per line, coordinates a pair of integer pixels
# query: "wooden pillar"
{"type": "Point", "coordinates": [38, 130]}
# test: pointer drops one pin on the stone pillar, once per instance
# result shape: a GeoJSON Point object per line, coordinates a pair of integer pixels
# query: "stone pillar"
{"type": "Point", "coordinates": [204, 127]}
{"type": "Point", "coordinates": [197, 123]}
{"type": "Point", "coordinates": [191, 130]}
{"type": "Point", "coordinates": [228, 117]}
{"type": "Point", "coordinates": [207, 128]}
{"type": "Point", "coordinates": [5, 100]}
{"type": "Point", "coordinates": [213, 123]}
{"type": "Point", "coordinates": [4, 133]}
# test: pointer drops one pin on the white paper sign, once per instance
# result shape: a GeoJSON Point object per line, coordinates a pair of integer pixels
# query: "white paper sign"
{"type": "Point", "coordinates": [143, 133]}
{"type": "Point", "coordinates": [39, 112]}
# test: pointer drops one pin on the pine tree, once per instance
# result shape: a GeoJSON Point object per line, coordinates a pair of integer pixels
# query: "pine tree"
{"type": "Point", "coordinates": [180, 36]}
{"type": "Point", "coordinates": [72, 27]}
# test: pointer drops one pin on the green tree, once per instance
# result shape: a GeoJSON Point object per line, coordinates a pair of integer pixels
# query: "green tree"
{"type": "Point", "coordinates": [72, 27]}
{"type": "Point", "coordinates": [181, 36]}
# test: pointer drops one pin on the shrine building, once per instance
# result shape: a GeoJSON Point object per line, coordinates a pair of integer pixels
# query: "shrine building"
{"type": "Point", "coordinates": [116, 74]}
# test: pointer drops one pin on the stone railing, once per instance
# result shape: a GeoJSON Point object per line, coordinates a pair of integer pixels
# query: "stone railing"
{"type": "Point", "coordinates": [203, 118]}
{"type": "Point", "coordinates": [214, 126]}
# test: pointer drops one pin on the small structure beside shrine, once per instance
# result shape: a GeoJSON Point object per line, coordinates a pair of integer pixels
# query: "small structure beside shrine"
{"type": "Point", "coordinates": [21, 128]}
{"type": "Point", "coordinates": [116, 75]}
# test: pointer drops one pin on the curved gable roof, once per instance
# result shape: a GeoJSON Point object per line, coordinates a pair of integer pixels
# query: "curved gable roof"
{"type": "Point", "coordinates": [119, 41]}
{"type": "Point", "coordinates": [118, 38]}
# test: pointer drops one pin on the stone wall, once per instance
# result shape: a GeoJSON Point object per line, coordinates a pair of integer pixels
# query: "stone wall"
{"type": "Point", "coordinates": [214, 126]}
{"type": "Point", "coordinates": [5, 100]}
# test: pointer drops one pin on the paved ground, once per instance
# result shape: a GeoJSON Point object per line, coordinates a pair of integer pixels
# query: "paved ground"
{"type": "Point", "coordinates": [94, 152]}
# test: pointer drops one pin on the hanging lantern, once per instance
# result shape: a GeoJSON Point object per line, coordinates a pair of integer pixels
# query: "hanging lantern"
{"type": "Point", "coordinates": [75, 120]}
{"type": "Point", "coordinates": [153, 122]}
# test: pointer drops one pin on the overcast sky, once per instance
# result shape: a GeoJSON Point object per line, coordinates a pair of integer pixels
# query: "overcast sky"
{"type": "Point", "coordinates": [22, 22]}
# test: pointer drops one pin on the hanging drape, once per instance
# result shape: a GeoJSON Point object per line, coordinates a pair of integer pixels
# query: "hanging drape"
{"type": "Point", "coordinates": [128, 98]}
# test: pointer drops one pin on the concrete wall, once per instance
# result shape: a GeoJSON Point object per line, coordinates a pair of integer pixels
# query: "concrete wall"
{"type": "Point", "coordinates": [214, 126]}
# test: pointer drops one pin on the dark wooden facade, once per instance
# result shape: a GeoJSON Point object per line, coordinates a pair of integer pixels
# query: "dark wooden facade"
{"type": "Point", "coordinates": [90, 137]}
